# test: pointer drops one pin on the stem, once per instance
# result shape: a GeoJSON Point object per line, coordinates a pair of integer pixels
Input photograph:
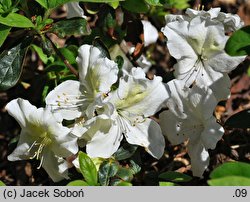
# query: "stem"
{"type": "Point", "coordinates": [65, 61]}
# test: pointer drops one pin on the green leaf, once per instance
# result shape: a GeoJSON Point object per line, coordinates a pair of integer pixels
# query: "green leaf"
{"type": "Point", "coordinates": [230, 181]}
{"type": "Point", "coordinates": [107, 170]}
{"type": "Point", "coordinates": [75, 26]}
{"type": "Point", "coordinates": [125, 152]}
{"type": "Point", "coordinates": [4, 31]}
{"type": "Point", "coordinates": [134, 168]}
{"type": "Point", "coordinates": [114, 4]}
{"type": "Point", "coordinates": [175, 176]}
{"type": "Point", "coordinates": [88, 169]}
{"type": "Point", "coordinates": [125, 174]}
{"type": "Point", "coordinates": [11, 62]}
{"type": "Point", "coordinates": [239, 120]}
{"type": "Point", "coordinates": [43, 3]}
{"type": "Point", "coordinates": [78, 183]}
{"type": "Point", "coordinates": [41, 54]}
{"type": "Point", "coordinates": [166, 184]}
{"type": "Point", "coordinates": [138, 6]}
{"type": "Point", "coordinates": [15, 20]}
{"type": "Point", "coordinates": [154, 2]}
{"type": "Point", "coordinates": [239, 43]}
{"type": "Point", "coordinates": [49, 4]}
{"type": "Point", "coordinates": [2, 184]}
{"type": "Point", "coordinates": [231, 169]}
{"type": "Point", "coordinates": [69, 55]}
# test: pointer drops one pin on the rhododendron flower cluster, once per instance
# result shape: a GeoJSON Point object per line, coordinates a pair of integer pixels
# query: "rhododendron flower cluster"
{"type": "Point", "coordinates": [197, 40]}
{"type": "Point", "coordinates": [107, 105]}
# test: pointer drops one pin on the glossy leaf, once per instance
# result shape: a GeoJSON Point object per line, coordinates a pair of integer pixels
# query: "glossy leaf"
{"type": "Point", "coordinates": [15, 20]}
{"type": "Point", "coordinates": [4, 31]}
{"type": "Point", "coordinates": [175, 176]}
{"type": "Point", "coordinates": [231, 169]}
{"type": "Point", "coordinates": [11, 62]}
{"type": "Point", "coordinates": [230, 181]}
{"type": "Point", "coordinates": [239, 120]}
{"type": "Point", "coordinates": [125, 152]}
{"type": "Point", "coordinates": [41, 54]}
{"type": "Point", "coordinates": [138, 6]}
{"type": "Point", "coordinates": [69, 27]}
{"type": "Point", "coordinates": [88, 169]}
{"type": "Point", "coordinates": [125, 174]}
{"type": "Point", "coordinates": [166, 184]}
{"type": "Point", "coordinates": [239, 43]}
{"type": "Point", "coordinates": [134, 168]}
{"type": "Point", "coordinates": [78, 183]}
{"type": "Point", "coordinates": [122, 183]}
{"type": "Point", "coordinates": [107, 170]}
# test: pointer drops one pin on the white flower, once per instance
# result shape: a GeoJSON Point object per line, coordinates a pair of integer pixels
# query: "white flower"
{"type": "Point", "coordinates": [150, 33]}
{"type": "Point", "coordinates": [198, 46]}
{"type": "Point", "coordinates": [42, 138]}
{"type": "Point", "coordinates": [190, 117]}
{"type": "Point", "coordinates": [125, 113]}
{"type": "Point", "coordinates": [96, 75]}
{"type": "Point", "coordinates": [231, 22]}
{"type": "Point", "coordinates": [74, 10]}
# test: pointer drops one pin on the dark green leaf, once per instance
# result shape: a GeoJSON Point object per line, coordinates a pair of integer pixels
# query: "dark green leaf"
{"type": "Point", "coordinates": [135, 168]}
{"type": "Point", "coordinates": [107, 170]}
{"type": "Point", "coordinates": [239, 120]}
{"type": "Point", "coordinates": [239, 43]}
{"type": "Point", "coordinates": [231, 169]}
{"type": "Point", "coordinates": [4, 31]}
{"type": "Point", "coordinates": [88, 169]}
{"type": "Point", "coordinates": [101, 46]}
{"type": "Point", "coordinates": [15, 20]}
{"type": "Point", "coordinates": [138, 6]}
{"type": "Point", "coordinates": [230, 181]}
{"type": "Point", "coordinates": [125, 151]}
{"type": "Point", "coordinates": [74, 26]}
{"type": "Point", "coordinates": [78, 183]}
{"type": "Point", "coordinates": [125, 174]}
{"type": "Point", "coordinates": [11, 62]}
{"type": "Point", "coordinates": [175, 176]}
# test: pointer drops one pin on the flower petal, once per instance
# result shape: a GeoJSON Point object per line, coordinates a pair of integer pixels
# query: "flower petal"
{"type": "Point", "coordinates": [222, 62]}
{"type": "Point", "coordinates": [55, 167]}
{"type": "Point", "coordinates": [105, 139]}
{"type": "Point", "coordinates": [74, 10]}
{"type": "Point", "coordinates": [137, 95]}
{"type": "Point", "coordinates": [199, 157]}
{"type": "Point", "coordinates": [150, 33]}
{"type": "Point", "coordinates": [21, 110]}
{"type": "Point", "coordinates": [65, 100]}
{"type": "Point", "coordinates": [211, 134]}
{"type": "Point", "coordinates": [148, 135]}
